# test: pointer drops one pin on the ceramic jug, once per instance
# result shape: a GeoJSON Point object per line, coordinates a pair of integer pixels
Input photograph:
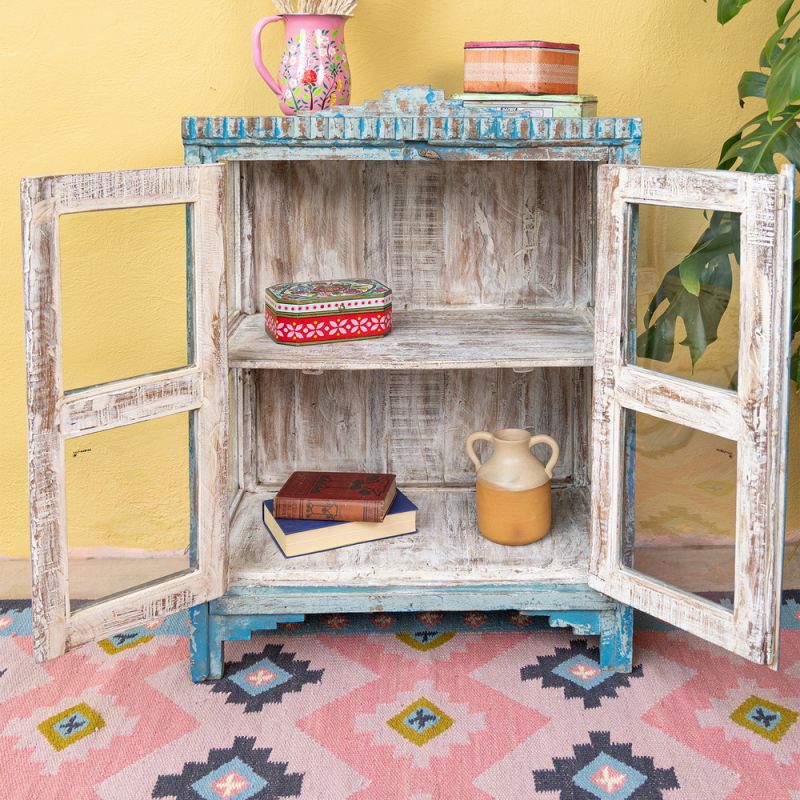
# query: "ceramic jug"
{"type": "Point", "coordinates": [513, 486]}
{"type": "Point", "coordinates": [314, 72]}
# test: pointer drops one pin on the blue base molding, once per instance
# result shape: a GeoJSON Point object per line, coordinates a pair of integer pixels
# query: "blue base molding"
{"type": "Point", "coordinates": [211, 624]}
{"type": "Point", "coordinates": [209, 632]}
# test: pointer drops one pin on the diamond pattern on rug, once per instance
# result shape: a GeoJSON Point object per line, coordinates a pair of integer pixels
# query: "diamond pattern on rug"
{"type": "Point", "coordinates": [606, 770]}
{"type": "Point", "coordinates": [700, 714]}
{"type": "Point", "coordinates": [265, 677]}
{"type": "Point", "coordinates": [421, 728]}
{"type": "Point", "coordinates": [72, 730]}
{"type": "Point", "coordinates": [767, 719]}
{"type": "Point", "coordinates": [125, 641]}
{"type": "Point", "coordinates": [70, 726]}
{"type": "Point", "coordinates": [485, 723]}
{"type": "Point", "coordinates": [477, 716]}
{"type": "Point", "coordinates": [420, 722]}
{"type": "Point", "coordinates": [758, 718]}
{"type": "Point", "coordinates": [241, 772]}
{"type": "Point", "coordinates": [425, 639]}
{"type": "Point", "coordinates": [577, 671]}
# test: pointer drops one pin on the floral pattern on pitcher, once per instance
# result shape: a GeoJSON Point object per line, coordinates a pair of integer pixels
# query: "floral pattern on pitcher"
{"type": "Point", "coordinates": [314, 71]}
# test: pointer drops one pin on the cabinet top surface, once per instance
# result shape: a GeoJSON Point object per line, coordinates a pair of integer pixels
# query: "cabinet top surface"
{"type": "Point", "coordinates": [411, 114]}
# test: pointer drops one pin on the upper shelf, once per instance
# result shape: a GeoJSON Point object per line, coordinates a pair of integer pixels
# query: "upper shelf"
{"type": "Point", "coordinates": [450, 339]}
{"type": "Point", "coordinates": [410, 114]}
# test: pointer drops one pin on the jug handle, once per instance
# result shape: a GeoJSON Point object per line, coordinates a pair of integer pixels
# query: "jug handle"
{"type": "Point", "coordinates": [553, 445]}
{"type": "Point", "coordinates": [257, 57]}
{"type": "Point", "coordinates": [474, 437]}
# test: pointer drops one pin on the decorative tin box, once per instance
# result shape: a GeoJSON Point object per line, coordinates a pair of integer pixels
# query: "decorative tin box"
{"type": "Point", "coordinates": [312, 312]}
{"type": "Point", "coordinates": [524, 67]}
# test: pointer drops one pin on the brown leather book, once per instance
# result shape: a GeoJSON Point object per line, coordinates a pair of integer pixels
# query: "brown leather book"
{"type": "Point", "coordinates": [342, 496]}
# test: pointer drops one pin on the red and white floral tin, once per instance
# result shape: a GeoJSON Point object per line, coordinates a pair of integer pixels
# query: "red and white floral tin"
{"type": "Point", "coordinates": [313, 312]}
{"type": "Point", "coordinates": [530, 67]}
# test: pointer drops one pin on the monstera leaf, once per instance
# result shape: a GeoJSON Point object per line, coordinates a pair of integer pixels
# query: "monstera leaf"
{"type": "Point", "coordinates": [783, 85]}
{"type": "Point", "coordinates": [758, 144]}
{"type": "Point", "coordinates": [697, 291]}
{"type": "Point", "coordinates": [752, 84]}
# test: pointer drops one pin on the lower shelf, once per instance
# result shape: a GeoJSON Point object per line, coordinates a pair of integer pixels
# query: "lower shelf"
{"type": "Point", "coordinates": [447, 550]}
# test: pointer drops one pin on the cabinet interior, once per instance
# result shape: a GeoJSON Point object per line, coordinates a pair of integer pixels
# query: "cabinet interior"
{"type": "Point", "coordinates": [497, 258]}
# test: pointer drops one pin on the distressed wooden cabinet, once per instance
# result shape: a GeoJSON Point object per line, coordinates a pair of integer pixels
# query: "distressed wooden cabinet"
{"type": "Point", "coordinates": [507, 241]}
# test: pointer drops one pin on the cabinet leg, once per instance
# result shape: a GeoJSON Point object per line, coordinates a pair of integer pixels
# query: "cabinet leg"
{"type": "Point", "coordinates": [616, 639]}
{"type": "Point", "coordinates": [614, 627]}
{"type": "Point", "coordinates": [217, 628]}
{"type": "Point", "coordinates": [216, 647]}
{"type": "Point", "coordinates": [198, 642]}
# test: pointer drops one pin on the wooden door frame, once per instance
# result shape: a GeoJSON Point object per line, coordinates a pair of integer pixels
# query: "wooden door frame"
{"type": "Point", "coordinates": [756, 416]}
{"type": "Point", "coordinates": [55, 416]}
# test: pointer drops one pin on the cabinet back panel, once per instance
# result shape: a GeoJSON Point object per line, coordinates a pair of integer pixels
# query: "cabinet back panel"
{"type": "Point", "coordinates": [506, 234]}
{"type": "Point", "coordinates": [413, 423]}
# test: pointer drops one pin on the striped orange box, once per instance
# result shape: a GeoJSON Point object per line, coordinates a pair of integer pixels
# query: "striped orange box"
{"type": "Point", "coordinates": [521, 67]}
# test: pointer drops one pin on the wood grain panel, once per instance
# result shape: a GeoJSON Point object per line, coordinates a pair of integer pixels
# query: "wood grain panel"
{"type": "Point", "coordinates": [482, 236]}
{"type": "Point", "coordinates": [405, 230]}
{"type": "Point", "coordinates": [308, 222]}
{"type": "Point", "coordinates": [412, 423]}
{"type": "Point", "coordinates": [469, 233]}
{"type": "Point", "coordinates": [547, 245]}
{"type": "Point", "coordinates": [416, 425]}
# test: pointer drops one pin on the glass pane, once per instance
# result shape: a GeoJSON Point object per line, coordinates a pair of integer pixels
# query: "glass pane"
{"type": "Point", "coordinates": [683, 512]}
{"type": "Point", "coordinates": [127, 506]}
{"type": "Point", "coordinates": [123, 286]}
{"type": "Point", "coordinates": [684, 311]}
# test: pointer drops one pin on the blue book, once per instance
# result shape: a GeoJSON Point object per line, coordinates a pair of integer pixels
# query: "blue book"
{"type": "Point", "coordinates": [299, 537]}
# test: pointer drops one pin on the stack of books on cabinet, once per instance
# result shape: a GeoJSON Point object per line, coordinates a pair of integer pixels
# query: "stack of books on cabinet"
{"type": "Point", "coordinates": [318, 511]}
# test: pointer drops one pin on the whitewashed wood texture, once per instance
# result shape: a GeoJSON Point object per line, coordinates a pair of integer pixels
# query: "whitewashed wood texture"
{"type": "Point", "coordinates": [53, 416]}
{"type": "Point", "coordinates": [447, 550]}
{"type": "Point", "coordinates": [449, 339]}
{"type": "Point", "coordinates": [441, 235]}
{"type": "Point", "coordinates": [491, 265]}
{"type": "Point", "coordinates": [755, 417]}
{"type": "Point", "coordinates": [411, 423]}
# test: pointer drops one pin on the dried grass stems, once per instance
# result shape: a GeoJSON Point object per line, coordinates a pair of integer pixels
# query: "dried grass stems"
{"type": "Point", "coordinates": [342, 7]}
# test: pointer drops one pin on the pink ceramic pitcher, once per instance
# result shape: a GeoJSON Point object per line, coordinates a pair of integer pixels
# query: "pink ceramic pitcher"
{"type": "Point", "coordinates": [315, 73]}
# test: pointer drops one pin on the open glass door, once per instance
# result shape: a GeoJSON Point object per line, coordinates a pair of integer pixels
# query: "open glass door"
{"type": "Point", "coordinates": [197, 391]}
{"type": "Point", "coordinates": [743, 420]}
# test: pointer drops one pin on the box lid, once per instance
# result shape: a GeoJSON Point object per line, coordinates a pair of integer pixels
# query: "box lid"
{"type": "Point", "coordinates": [533, 43]}
{"type": "Point", "coordinates": [352, 292]}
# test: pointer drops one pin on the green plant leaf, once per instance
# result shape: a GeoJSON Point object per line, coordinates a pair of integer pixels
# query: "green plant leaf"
{"type": "Point", "coordinates": [727, 163]}
{"type": "Point", "coordinates": [783, 86]}
{"type": "Point", "coordinates": [701, 301]}
{"type": "Point", "coordinates": [757, 144]}
{"type": "Point", "coordinates": [752, 84]}
{"type": "Point", "coordinates": [772, 49]}
{"type": "Point", "coordinates": [728, 9]}
{"type": "Point", "coordinates": [720, 240]}
{"type": "Point", "coordinates": [701, 313]}
{"type": "Point", "coordinates": [783, 10]}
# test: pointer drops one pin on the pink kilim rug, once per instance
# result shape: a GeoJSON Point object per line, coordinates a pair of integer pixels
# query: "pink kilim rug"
{"type": "Point", "coordinates": [425, 706]}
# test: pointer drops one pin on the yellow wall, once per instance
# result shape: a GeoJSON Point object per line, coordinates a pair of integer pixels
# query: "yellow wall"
{"type": "Point", "coordinates": [102, 84]}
